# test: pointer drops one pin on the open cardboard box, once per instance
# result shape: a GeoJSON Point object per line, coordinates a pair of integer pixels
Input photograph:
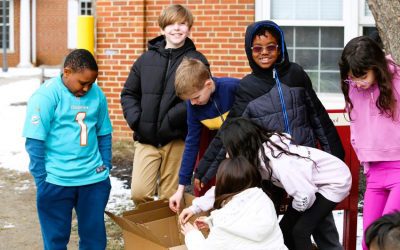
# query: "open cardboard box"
{"type": "Point", "coordinates": [152, 226]}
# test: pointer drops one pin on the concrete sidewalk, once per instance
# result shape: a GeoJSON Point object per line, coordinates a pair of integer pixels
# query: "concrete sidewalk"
{"type": "Point", "coordinates": [16, 74]}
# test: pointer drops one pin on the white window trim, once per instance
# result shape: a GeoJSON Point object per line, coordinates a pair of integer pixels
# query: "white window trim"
{"type": "Point", "coordinates": [363, 19]}
{"type": "Point", "coordinates": [11, 49]}
{"type": "Point", "coordinates": [73, 10]}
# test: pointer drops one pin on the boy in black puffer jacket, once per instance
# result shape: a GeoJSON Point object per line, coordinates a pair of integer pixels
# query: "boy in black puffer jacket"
{"type": "Point", "coordinates": [153, 111]}
{"type": "Point", "coordinates": [278, 95]}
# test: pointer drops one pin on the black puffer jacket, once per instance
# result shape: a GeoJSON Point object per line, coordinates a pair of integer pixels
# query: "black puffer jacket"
{"type": "Point", "coordinates": [150, 106]}
{"type": "Point", "coordinates": [258, 98]}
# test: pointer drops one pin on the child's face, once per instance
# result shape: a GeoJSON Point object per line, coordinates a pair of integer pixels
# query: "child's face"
{"type": "Point", "coordinates": [362, 82]}
{"type": "Point", "coordinates": [175, 34]}
{"type": "Point", "coordinates": [202, 96]}
{"type": "Point", "coordinates": [79, 83]}
{"type": "Point", "coordinates": [268, 54]}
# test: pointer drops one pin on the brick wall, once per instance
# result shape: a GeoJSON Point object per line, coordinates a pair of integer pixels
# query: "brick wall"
{"type": "Point", "coordinates": [51, 31]}
{"type": "Point", "coordinates": [13, 57]}
{"type": "Point", "coordinates": [124, 27]}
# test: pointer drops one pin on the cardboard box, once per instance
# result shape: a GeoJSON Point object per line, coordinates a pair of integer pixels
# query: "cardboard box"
{"type": "Point", "coordinates": [152, 226]}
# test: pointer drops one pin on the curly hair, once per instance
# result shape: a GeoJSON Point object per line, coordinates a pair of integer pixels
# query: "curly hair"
{"type": "Point", "coordinates": [80, 59]}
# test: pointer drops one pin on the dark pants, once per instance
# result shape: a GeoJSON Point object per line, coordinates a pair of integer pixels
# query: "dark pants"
{"type": "Point", "coordinates": [297, 227]}
{"type": "Point", "coordinates": [326, 235]}
{"type": "Point", "coordinates": [55, 204]}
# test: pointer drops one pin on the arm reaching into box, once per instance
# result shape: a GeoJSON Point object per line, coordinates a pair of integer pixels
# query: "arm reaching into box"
{"type": "Point", "coordinates": [199, 204]}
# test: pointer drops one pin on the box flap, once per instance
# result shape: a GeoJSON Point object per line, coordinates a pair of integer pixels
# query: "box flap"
{"type": "Point", "coordinates": [136, 228]}
{"type": "Point", "coordinates": [167, 231]}
{"type": "Point", "coordinates": [148, 206]}
{"type": "Point", "coordinates": [143, 216]}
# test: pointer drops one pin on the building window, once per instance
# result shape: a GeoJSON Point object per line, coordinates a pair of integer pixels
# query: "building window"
{"type": "Point", "coordinates": [314, 36]}
{"type": "Point", "coordinates": [5, 12]}
{"type": "Point", "coordinates": [317, 50]}
{"type": "Point", "coordinates": [85, 7]}
{"type": "Point", "coordinates": [306, 9]}
{"type": "Point", "coordinates": [315, 33]}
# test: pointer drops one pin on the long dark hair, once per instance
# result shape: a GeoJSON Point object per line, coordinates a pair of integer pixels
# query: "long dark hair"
{"type": "Point", "coordinates": [241, 136]}
{"type": "Point", "coordinates": [234, 175]}
{"type": "Point", "coordinates": [360, 55]}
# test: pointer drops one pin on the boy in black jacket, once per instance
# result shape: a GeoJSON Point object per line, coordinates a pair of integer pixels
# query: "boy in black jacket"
{"type": "Point", "coordinates": [278, 95]}
{"type": "Point", "coordinates": [153, 111]}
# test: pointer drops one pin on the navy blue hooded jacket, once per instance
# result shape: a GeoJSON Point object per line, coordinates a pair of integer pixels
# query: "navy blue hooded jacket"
{"type": "Point", "coordinates": [258, 97]}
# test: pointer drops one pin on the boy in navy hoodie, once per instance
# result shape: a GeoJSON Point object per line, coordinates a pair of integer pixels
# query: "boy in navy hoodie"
{"type": "Point", "coordinates": [278, 95]}
{"type": "Point", "coordinates": [208, 101]}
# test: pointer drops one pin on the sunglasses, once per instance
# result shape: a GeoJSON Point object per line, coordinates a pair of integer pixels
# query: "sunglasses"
{"type": "Point", "coordinates": [270, 48]}
{"type": "Point", "coordinates": [355, 83]}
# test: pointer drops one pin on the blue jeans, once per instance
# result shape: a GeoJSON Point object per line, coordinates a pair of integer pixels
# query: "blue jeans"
{"type": "Point", "coordinates": [55, 204]}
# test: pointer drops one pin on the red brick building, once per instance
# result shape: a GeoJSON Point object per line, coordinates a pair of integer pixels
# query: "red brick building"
{"type": "Point", "coordinates": [40, 31]}
{"type": "Point", "coordinates": [315, 35]}
{"type": "Point", "coordinates": [125, 27]}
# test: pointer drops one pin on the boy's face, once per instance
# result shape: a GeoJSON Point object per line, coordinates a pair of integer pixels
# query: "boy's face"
{"type": "Point", "coordinates": [79, 83]}
{"type": "Point", "coordinates": [202, 96]}
{"type": "Point", "coordinates": [175, 34]}
{"type": "Point", "coordinates": [265, 50]}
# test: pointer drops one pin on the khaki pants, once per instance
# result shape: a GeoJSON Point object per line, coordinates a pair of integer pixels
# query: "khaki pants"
{"type": "Point", "coordinates": [150, 162]}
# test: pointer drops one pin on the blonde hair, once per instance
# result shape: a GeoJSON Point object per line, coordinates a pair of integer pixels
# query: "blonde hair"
{"type": "Point", "coordinates": [190, 77]}
{"type": "Point", "coordinates": [175, 13]}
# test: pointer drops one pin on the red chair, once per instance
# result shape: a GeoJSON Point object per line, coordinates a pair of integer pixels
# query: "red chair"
{"type": "Point", "coordinates": [350, 204]}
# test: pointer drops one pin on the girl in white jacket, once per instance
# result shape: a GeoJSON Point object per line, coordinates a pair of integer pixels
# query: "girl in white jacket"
{"type": "Point", "coordinates": [317, 181]}
{"type": "Point", "coordinates": [244, 217]}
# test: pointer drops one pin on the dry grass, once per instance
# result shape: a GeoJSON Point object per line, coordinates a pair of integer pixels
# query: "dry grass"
{"type": "Point", "coordinates": [114, 235]}
{"type": "Point", "coordinates": [122, 161]}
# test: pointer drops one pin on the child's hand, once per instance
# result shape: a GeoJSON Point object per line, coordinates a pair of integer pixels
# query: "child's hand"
{"type": "Point", "coordinates": [187, 227]}
{"type": "Point", "coordinates": [185, 215]}
{"type": "Point", "coordinates": [175, 201]}
{"type": "Point", "coordinates": [198, 185]}
{"type": "Point", "coordinates": [201, 222]}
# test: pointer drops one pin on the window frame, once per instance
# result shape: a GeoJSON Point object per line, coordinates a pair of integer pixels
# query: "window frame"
{"type": "Point", "coordinates": [11, 48]}
{"type": "Point", "coordinates": [86, 9]}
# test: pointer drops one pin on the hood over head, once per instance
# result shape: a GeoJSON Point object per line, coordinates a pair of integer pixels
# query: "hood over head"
{"type": "Point", "coordinates": [282, 63]}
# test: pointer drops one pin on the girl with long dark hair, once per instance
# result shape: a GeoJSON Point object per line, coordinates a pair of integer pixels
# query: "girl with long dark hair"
{"type": "Point", "coordinates": [370, 83]}
{"type": "Point", "coordinates": [244, 216]}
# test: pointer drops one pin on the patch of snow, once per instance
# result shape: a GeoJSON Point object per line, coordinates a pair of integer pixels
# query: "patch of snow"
{"type": "Point", "coordinates": [18, 72]}
{"type": "Point", "coordinates": [22, 188]}
{"type": "Point", "coordinates": [51, 72]}
{"type": "Point", "coordinates": [8, 225]}
{"type": "Point", "coordinates": [120, 197]}
{"type": "Point", "coordinates": [12, 116]}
